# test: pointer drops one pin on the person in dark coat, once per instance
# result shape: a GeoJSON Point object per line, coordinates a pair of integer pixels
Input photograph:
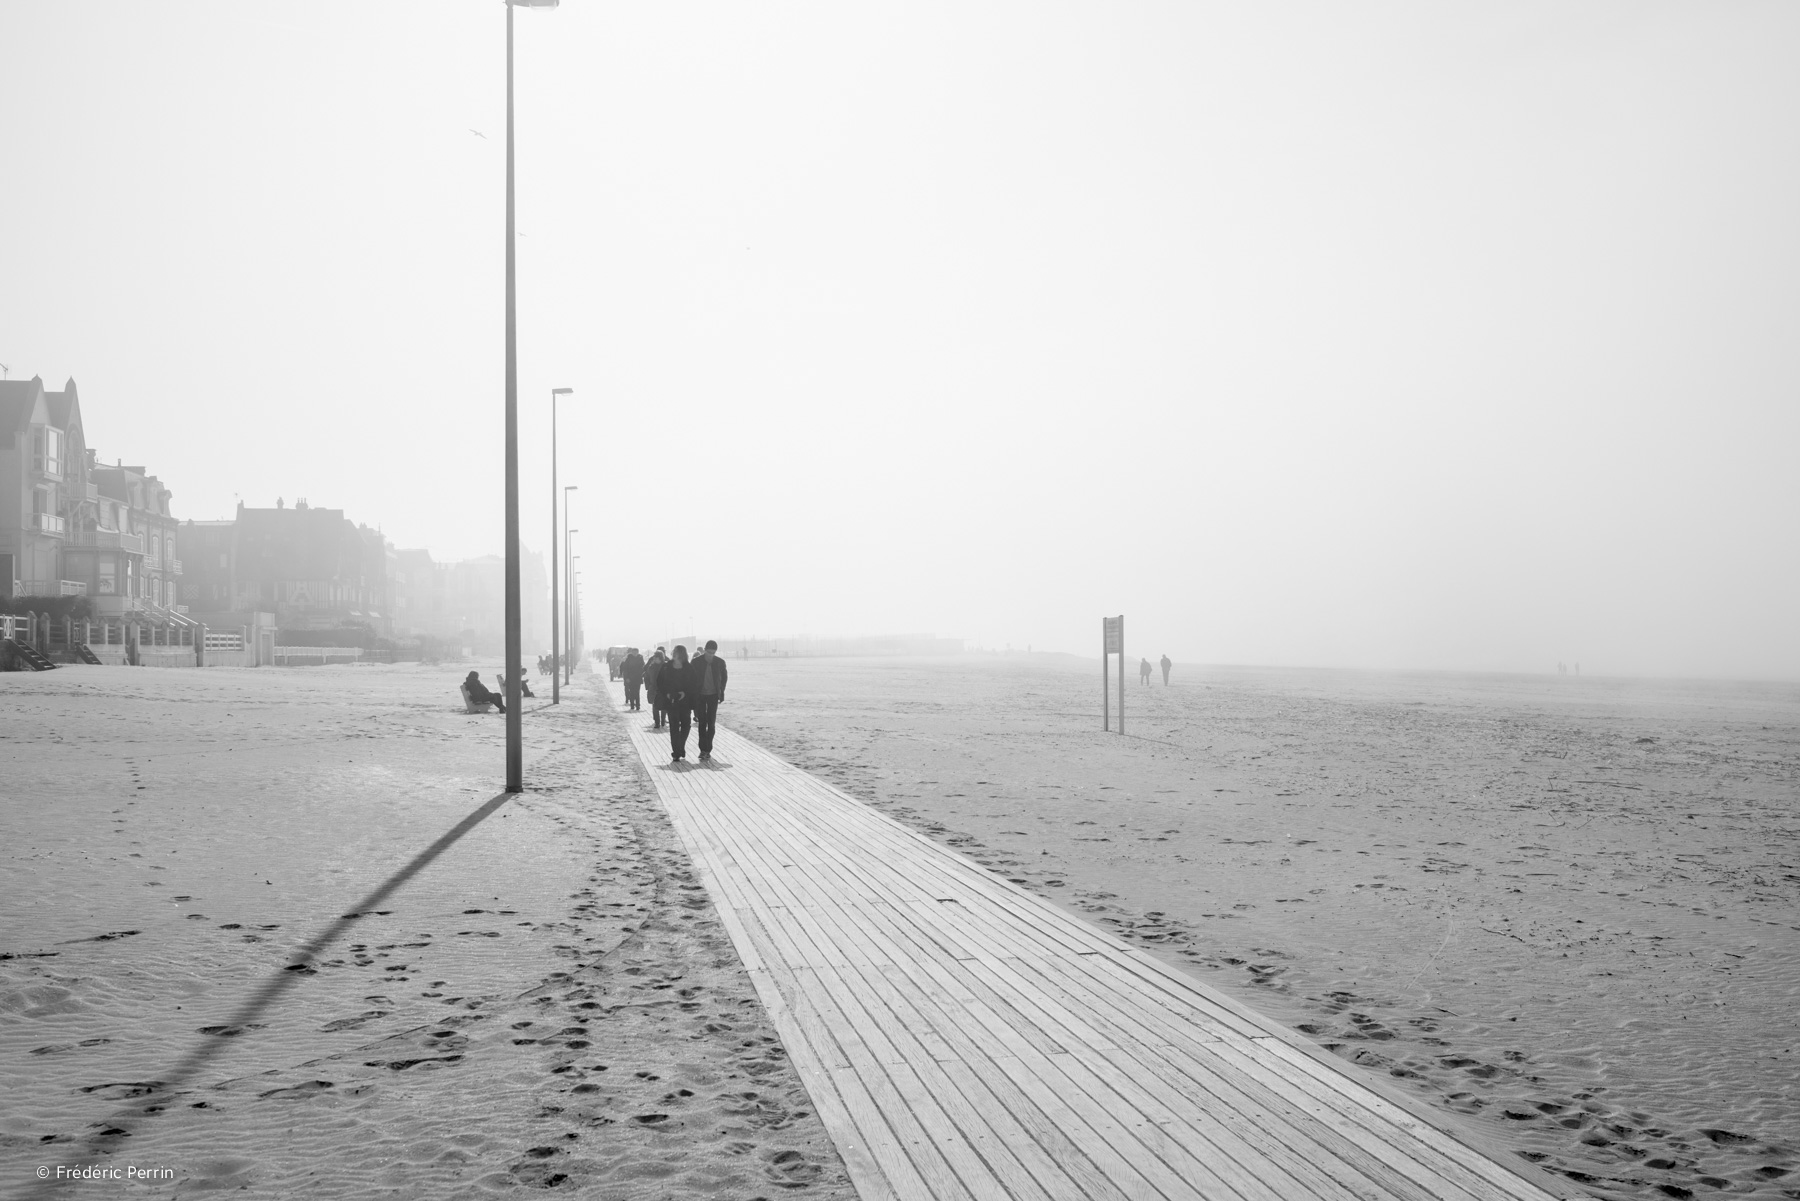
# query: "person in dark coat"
{"type": "Point", "coordinates": [1166, 665]}
{"type": "Point", "coordinates": [710, 675]}
{"type": "Point", "coordinates": [675, 689]}
{"type": "Point", "coordinates": [653, 685]}
{"type": "Point", "coordinates": [633, 671]}
{"type": "Point", "coordinates": [479, 694]}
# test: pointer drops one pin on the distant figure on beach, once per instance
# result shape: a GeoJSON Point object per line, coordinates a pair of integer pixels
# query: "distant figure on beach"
{"type": "Point", "coordinates": [524, 684]}
{"type": "Point", "coordinates": [653, 685]}
{"type": "Point", "coordinates": [1143, 671]}
{"type": "Point", "coordinates": [479, 694]}
{"type": "Point", "coordinates": [633, 671]}
{"type": "Point", "coordinates": [1166, 665]}
{"type": "Point", "coordinates": [709, 689]}
{"type": "Point", "coordinates": [675, 684]}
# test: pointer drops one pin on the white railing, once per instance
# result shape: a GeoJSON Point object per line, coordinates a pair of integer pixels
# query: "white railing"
{"type": "Point", "coordinates": [174, 566]}
{"type": "Point", "coordinates": [296, 656]}
{"type": "Point", "coordinates": [49, 523]}
{"type": "Point", "coordinates": [224, 642]}
{"type": "Point", "coordinates": [73, 587]}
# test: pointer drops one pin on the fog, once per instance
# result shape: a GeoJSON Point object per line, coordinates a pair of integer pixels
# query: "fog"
{"type": "Point", "coordinates": [1384, 335]}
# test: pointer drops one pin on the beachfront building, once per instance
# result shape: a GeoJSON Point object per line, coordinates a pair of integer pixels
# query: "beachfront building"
{"type": "Point", "coordinates": [313, 568]}
{"type": "Point", "coordinates": [128, 550]}
{"type": "Point", "coordinates": [46, 498]}
{"type": "Point", "coordinates": [127, 558]}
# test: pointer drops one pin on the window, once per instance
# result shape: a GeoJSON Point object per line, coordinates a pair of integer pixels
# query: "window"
{"type": "Point", "coordinates": [47, 450]}
{"type": "Point", "coordinates": [109, 575]}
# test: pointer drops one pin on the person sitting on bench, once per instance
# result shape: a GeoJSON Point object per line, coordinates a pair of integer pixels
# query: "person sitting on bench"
{"type": "Point", "coordinates": [479, 695]}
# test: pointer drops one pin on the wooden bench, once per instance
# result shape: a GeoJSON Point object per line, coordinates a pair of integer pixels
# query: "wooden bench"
{"type": "Point", "coordinates": [473, 706]}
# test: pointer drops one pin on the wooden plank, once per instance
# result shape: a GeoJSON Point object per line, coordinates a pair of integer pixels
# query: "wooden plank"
{"type": "Point", "coordinates": [1189, 1069]}
{"type": "Point", "coordinates": [959, 1141]}
{"type": "Point", "coordinates": [1314, 1190]}
{"type": "Point", "coordinates": [894, 1168]}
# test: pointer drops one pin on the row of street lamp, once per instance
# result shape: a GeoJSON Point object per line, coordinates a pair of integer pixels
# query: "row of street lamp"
{"type": "Point", "coordinates": [513, 681]}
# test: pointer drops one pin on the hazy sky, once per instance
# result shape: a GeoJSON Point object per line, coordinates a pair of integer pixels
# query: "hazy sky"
{"type": "Point", "coordinates": [1382, 334]}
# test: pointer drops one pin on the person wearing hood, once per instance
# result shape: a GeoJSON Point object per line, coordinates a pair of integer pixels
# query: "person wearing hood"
{"type": "Point", "coordinates": [676, 689]}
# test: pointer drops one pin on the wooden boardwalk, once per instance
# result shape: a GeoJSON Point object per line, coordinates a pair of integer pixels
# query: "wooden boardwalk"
{"type": "Point", "coordinates": [962, 1038]}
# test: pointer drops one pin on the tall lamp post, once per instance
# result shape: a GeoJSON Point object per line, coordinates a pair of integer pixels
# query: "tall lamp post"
{"type": "Point", "coordinates": [555, 595]}
{"type": "Point", "coordinates": [568, 579]}
{"type": "Point", "coordinates": [575, 596]}
{"type": "Point", "coordinates": [574, 601]}
{"type": "Point", "coordinates": [515, 733]}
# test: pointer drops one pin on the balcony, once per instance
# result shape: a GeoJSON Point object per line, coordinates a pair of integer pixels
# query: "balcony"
{"type": "Point", "coordinates": [111, 540]}
{"type": "Point", "coordinates": [48, 523]}
{"type": "Point", "coordinates": [174, 566]}
{"type": "Point", "coordinates": [73, 587]}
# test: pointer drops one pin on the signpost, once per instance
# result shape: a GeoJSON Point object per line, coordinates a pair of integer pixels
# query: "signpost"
{"type": "Point", "coordinates": [1112, 642]}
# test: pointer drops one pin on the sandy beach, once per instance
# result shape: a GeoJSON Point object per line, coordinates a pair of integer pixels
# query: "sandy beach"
{"type": "Point", "coordinates": [269, 929]}
{"type": "Point", "coordinates": [222, 956]}
{"type": "Point", "coordinates": [1565, 912]}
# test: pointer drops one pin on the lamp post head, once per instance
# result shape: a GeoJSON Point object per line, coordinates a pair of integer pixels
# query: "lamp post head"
{"type": "Point", "coordinates": [533, 3]}
{"type": "Point", "coordinates": [561, 391]}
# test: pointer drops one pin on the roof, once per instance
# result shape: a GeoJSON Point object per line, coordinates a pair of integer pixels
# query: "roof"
{"type": "Point", "coordinates": [18, 399]}
{"type": "Point", "coordinates": [65, 406]}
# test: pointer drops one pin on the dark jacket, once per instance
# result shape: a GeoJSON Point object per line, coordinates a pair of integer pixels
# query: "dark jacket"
{"type": "Point", "coordinates": [653, 670]}
{"type": "Point", "coordinates": [719, 673]}
{"type": "Point", "coordinates": [633, 668]}
{"type": "Point", "coordinates": [675, 686]}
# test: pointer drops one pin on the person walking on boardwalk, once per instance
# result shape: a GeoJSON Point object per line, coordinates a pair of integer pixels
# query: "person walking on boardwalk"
{"type": "Point", "coordinates": [709, 689]}
{"type": "Point", "coordinates": [1143, 671]}
{"type": "Point", "coordinates": [1166, 665]}
{"type": "Point", "coordinates": [633, 671]}
{"type": "Point", "coordinates": [675, 686]}
{"type": "Point", "coordinates": [653, 685]}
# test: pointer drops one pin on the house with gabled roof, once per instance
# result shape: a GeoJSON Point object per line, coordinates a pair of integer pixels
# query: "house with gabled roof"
{"type": "Point", "coordinates": [45, 494]}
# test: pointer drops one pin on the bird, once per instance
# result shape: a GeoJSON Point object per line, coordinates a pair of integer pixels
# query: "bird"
{"type": "Point", "coordinates": [479, 134]}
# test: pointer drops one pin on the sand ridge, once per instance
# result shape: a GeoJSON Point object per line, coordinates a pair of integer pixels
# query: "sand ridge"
{"type": "Point", "coordinates": [1486, 890]}
{"type": "Point", "coordinates": [549, 1003]}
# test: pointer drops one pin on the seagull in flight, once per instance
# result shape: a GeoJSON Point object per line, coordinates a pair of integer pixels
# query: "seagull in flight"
{"type": "Point", "coordinates": [479, 134]}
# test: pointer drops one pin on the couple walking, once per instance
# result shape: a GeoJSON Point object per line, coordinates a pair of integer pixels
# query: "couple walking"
{"type": "Point", "coordinates": [688, 694]}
